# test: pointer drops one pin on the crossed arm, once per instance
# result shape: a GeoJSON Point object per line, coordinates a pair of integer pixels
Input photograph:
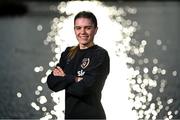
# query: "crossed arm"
{"type": "Point", "coordinates": [57, 71]}
{"type": "Point", "coordinates": [92, 80]}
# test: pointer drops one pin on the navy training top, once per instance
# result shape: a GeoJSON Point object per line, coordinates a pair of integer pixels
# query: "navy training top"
{"type": "Point", "coordinates": [83, 98]}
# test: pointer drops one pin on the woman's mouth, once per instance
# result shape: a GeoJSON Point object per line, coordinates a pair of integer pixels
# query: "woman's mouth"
{"type": "Point", "coordinates": [84, 37]}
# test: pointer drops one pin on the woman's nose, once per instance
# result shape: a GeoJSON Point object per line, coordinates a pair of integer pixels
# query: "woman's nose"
{"type": "Point", "coordinates": [83, 30]}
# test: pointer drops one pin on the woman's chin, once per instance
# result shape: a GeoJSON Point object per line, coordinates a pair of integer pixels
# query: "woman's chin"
{"type": "Point", "coordinates": [83, 43]}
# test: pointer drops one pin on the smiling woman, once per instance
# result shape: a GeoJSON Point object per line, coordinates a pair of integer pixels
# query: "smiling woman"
{"type": "Point", "coordinates": [83, 72]}
{"type": "Point", "coordinates": [63, 31]}
{"type": "Point", "coordinates": [85, 28]}
{"type": "Point", "coordinates": [85, 31]}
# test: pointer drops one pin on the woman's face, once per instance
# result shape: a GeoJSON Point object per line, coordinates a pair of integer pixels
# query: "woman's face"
{"type": "Point", "coordinates": [85, 31]}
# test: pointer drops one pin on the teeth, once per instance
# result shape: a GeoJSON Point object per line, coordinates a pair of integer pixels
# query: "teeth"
{"type": "Point", "coordinates": [83, 36]}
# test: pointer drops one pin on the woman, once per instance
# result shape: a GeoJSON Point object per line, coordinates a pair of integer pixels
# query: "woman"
{"type": "Point", "coordinates": [82, 72]}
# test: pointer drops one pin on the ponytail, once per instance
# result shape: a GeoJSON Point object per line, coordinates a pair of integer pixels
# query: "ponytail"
{"type": "Point", "coordinates": [72, 52]}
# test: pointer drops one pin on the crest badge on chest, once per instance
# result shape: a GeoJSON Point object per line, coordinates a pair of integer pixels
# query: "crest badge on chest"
{"type": "Point", "coordinates": [85, 62]}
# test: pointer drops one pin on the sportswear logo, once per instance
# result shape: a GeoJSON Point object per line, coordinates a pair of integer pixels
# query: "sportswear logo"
{"type": "Point", "coordinates": [81, 73]}
{"type": "Point", "coordinates": [85, 62]}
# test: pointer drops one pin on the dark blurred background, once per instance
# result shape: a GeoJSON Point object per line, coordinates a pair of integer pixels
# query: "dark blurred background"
{"type": "Point", "coordinates": [24, 25]}
{"type": "Point", "coordinates": [23, 28]}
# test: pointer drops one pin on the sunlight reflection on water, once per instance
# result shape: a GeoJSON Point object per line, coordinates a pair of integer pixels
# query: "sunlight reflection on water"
{"type": "Point", "coordinates": [126, 94]}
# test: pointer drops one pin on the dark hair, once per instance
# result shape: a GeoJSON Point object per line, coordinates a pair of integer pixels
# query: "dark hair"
{"type": "Point", "coordinates": [87, 14]}
{"type": "Point", "coordinates": [82, 14]}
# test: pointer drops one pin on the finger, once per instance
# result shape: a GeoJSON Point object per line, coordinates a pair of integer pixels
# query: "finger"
{"type": "Point", "coordinates": [59, 71]}
{"type": "Point", "coordinates": [78, 79]}
{"type": "Point", "coordinates": [56, 72]}
{"type": "Point", "coordinates": [59, 68]}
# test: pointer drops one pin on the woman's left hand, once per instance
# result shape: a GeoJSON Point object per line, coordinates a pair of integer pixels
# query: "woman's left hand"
{"type": "Point", "coordinates": [58, 71]}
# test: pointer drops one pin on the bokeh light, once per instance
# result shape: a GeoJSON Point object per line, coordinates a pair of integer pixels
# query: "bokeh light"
{"type": "Point", "coordinates": [128, 91]}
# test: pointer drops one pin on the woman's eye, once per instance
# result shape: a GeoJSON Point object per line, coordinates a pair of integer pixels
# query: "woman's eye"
{"type": "Point", "coordinates": [88, 28]}
{"type": "Point", "coordinates": [77, 28]}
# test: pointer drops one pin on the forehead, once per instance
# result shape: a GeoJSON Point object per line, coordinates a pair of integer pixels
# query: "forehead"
{"type": "Point", "coordinates": [83, 22]}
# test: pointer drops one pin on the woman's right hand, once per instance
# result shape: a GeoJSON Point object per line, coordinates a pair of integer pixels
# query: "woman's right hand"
{"type": "Point", "coordinates": [78, 79]}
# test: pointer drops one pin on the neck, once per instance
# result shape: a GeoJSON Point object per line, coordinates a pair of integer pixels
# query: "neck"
{"type": "Point", "coordinates": [81, 46]}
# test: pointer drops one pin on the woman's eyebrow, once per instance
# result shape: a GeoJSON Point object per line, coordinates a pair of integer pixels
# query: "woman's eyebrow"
{"type": "Point", "coordinates": [77, 26]}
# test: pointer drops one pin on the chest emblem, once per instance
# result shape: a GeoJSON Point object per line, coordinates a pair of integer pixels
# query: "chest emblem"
{"type": "Point", "coordinates": [80, 73]}
{"type": "Point", "coordinates": [85, 62]}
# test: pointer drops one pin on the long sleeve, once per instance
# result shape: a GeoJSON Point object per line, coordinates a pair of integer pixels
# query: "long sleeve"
{"type": "Point", "coordinates": [57, 83]}
{"type": "Point", "coordinates": [94, 77]}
